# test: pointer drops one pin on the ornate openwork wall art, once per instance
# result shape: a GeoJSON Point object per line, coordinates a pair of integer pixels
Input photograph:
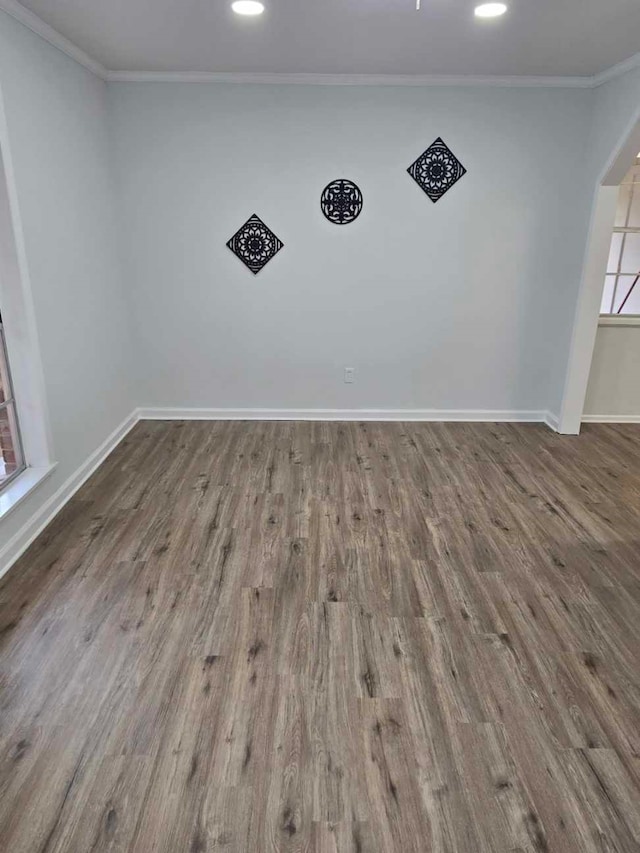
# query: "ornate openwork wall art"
{"type": "Point", "coordinates": [255, 244]}
{"type": "Point", "coordinates": [341, 202]}
{"type": "Point", "coordinates": [437, 170]}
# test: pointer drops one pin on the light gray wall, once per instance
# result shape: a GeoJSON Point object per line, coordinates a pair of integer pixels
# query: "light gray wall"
{"type": "Point", "coordinates": [614, 383]}
{"type": "Point", "coordinates": [462, 305]}
{"type": "Point", "coordinates": [57, 118]}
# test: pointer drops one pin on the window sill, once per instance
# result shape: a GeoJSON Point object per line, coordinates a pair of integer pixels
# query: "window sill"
{"type": "Point", "coordinates": [619, 320]}
{"type": "Point", "coordinates": [21, 487]}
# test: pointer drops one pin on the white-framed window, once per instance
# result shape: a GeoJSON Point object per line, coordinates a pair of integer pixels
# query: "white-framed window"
{"type": "Point", "coordinates": [11, 454]}
{"type": "Point", "coordinates": [622, 283]}
{"type": "Point", "coordinates": [26, 450]}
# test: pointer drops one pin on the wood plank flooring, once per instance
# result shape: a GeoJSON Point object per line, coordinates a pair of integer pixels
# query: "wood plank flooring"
{"type": "Point", "coordinates": [334, 638]}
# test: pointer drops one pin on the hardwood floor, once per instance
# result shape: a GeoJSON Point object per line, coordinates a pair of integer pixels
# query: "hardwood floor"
{"type": "Point", "coordinates": [251, 637]}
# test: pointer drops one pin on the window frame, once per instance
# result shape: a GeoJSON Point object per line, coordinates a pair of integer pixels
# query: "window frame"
{"type": "Point", "coordinates": [632, 181]}
{"type": "Point", "coordinates": [22, 343]}
{"type": "Point", "coordinates": [9, 405]}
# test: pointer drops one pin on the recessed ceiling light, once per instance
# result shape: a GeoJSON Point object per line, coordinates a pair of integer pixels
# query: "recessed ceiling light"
{"type": "Point", "coordinates": [491, 10]}
{"type": "Point", "coordinates": [248, 7]}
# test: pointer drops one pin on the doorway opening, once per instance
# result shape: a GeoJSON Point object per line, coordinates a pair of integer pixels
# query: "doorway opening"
{"type": "Point", "coordinates": [614, 237]}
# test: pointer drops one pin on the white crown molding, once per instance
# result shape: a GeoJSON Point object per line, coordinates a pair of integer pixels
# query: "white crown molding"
{"type": "Point", "coordinates": [616, 71]}
{"type": "Point", "coordinates": [496, 81]}
{"type": "Point", "coordinates": [49, 34]}
{"type": "Point", "coordinates": [347, 79]}
{"type": "Point", "coordinates": [38, 26]}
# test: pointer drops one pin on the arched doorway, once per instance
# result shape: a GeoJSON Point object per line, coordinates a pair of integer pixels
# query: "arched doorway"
{"type": "Point", "coordinates": [593, 279]}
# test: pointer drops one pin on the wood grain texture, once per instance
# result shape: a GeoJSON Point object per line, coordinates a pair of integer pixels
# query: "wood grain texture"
{"type": "Point", "coordinates": [330, 638]}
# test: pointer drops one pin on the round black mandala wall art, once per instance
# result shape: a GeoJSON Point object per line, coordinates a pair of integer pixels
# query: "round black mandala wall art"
{"type": "Point", "coordinates": [255, 244]}
{"type": "Point", "coordinates": [341, 202]}
{"type": "Point", "coordinates": [437, 170]}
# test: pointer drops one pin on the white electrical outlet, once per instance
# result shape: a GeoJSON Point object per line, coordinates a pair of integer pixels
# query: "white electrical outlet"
{"type": "Point", "coordinates": [349, 375]}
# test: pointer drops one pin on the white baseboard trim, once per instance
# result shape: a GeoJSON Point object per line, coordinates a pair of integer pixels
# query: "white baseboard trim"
{"type": "Point", "coordinates": [552, 421]}
{"type": "Point", "coordinates": [19, 543]}
{"type": "Point", "coordinates": [426, 415]}
{"type": "Point", "coordinates": [611, 419]}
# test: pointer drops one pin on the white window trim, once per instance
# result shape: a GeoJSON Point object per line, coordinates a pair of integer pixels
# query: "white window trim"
{"type": "Point", "coordinates": [22, 339]}
{"type": "Point", "coordinates": [21, 487]}
{"type": "Point", "coordinates": [619, 320]}
{"type": "Point", "coordinates": [625, 230]}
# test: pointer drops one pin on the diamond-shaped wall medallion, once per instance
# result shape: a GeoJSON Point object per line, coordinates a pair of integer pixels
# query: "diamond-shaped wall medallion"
{"type": "Point", "coordinates": [437, 170]}
{"type": "Point", "coordinates": [255, 244]}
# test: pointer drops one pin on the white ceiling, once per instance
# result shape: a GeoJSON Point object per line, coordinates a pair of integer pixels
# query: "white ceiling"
{"type": "Point", "coordinates": [536, 37]}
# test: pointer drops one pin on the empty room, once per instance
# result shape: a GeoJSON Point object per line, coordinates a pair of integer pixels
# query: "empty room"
{"type": "Point", "coordinates": [319, 426]}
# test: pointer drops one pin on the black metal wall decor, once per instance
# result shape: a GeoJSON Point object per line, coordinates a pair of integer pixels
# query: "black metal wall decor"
{"type": "Point", "coordinates": [255, 244]}
{"type": "Point", "coordinates": [437, 170]}
{"type": "Point", "coordinates": [341, 202]}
